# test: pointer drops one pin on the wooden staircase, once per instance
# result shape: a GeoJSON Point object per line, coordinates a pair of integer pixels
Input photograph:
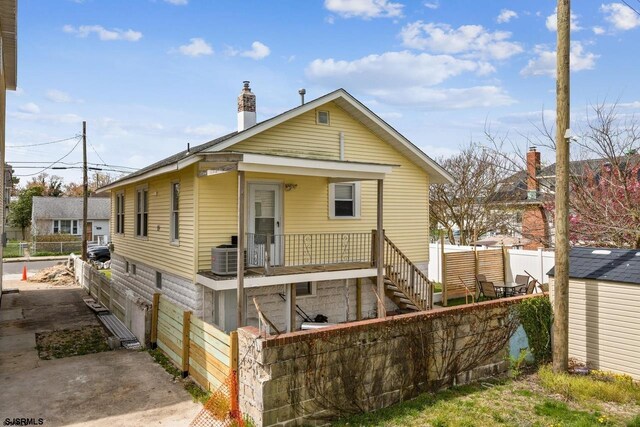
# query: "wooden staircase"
{"type": "Point", "coordinates": [404, 283]}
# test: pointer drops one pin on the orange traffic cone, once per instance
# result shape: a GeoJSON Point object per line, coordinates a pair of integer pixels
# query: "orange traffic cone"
{"type": "Point", "coordinates": [24, 273]}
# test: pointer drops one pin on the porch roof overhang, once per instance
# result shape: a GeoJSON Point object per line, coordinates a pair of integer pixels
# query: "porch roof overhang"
{"type": "Point", "coordinates": [335, 170]}
{"type": "Point", "coordinates": [257, 281]}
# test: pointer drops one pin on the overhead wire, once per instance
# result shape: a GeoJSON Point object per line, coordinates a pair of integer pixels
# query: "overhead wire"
{"type": "Point", "coordinates": [42, 143]}
{"type": "Point", "coordinates": [54, 163]}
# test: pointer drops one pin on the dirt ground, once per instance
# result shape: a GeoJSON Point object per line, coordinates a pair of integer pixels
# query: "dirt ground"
{"type": "Point", "coordinates": [112, 388]}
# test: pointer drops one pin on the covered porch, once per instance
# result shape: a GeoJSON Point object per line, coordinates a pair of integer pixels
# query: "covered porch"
{"type": "Point", "coordinates": [264, 254]}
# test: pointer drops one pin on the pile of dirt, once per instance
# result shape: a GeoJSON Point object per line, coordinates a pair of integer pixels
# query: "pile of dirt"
{"type": "Point", "coordinates": [56, 275]}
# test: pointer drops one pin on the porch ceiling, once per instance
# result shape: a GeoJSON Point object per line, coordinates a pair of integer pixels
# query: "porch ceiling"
{"type": "Point", "coordinates": [334, 169]}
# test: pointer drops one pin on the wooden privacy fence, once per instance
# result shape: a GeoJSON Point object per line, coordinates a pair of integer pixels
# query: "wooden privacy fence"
{"type": "Point", "coordinates": [459, 267]}
{"type": "Point", "coordinates": [199, 349]}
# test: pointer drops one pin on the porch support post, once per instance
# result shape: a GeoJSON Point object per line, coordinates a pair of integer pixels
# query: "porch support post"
{"type": "Point", "coordinates": [291, 307]}
{"type": "Point", "coordinates": [382, 312]}
{"type": "Point", "coordinates": [240, 254]}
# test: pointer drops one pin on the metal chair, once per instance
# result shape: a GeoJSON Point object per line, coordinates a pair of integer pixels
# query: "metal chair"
{"type": "Point", "coordinates": [479, 278]}
{"type": "Point", "coordinates": [523, 282]}
{"type": "Point", "coordinates": [489, 290]}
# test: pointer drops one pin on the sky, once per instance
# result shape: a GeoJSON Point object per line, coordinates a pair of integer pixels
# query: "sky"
{"type": "Point", "coordinates": [150, 76]}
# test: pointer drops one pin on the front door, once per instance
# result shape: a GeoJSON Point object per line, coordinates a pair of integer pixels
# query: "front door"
{"type": "Point", "coordinates": [265, 237]}
{"type": "Point", "coordinates": [89, 231]}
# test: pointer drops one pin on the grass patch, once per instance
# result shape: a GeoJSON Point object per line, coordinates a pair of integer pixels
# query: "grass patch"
{"type": "Point", "coordinates": [71, 342]}
{"type": "Point", "coordinates": [106, 273]}
{"type": "Point", "coordinates": [599, 386]}
{"type": "Point", "coordinates": [196, 392]}
{"type": "Point", "coordinates": [508, 402]}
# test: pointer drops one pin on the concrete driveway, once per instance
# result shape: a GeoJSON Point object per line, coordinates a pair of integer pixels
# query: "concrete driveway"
{"type": "Point", "coordinates": [113, 388]}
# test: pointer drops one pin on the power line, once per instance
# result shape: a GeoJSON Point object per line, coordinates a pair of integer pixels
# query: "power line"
{"type": "Point", "coordinates": [630, 7]}
{"type": "Point", "coordinates": [43, 143]}
{"type": "Point", "coordinates": [96, 151]}
{"type": "Point", "coordinates": [18, 164]}
{"type": "Point", "coordinates": [52, 164]}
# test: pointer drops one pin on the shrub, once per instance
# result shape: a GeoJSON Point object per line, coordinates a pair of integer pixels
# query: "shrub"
{"type": "Point", "coordinates": [536, 317]}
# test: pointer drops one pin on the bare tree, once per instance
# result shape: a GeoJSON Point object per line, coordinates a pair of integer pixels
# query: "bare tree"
{"type": "Point", "coordinates": [605, 190]}
{"type": "Point", "coordinates": [468, 204]}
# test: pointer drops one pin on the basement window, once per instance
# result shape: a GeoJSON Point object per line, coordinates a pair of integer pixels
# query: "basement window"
{"type": "Point", "coordinates": [158, 280]}
{"type": "Point", "coordinates": [305, 289]}
{"type": "Point", "coordinates": [322, 118]}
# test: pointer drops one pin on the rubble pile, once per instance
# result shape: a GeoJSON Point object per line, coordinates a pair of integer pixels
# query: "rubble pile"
{"type": "Point", "coordinates": [56, 275]}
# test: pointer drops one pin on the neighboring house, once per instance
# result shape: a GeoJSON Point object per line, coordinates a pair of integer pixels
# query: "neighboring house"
{"type": "Point", "coordinates": [310, 181]}
{"type": "Point", "coordinates": [604, 301]}
{"type": "Point", "coordinates": [63, 215]}
{"type": "Point", "coordinates": [529, 194]}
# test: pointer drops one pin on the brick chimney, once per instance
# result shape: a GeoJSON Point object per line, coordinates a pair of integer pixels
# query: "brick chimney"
{"type": "Point", "coordinates": [533, 168]}
{"type": "Point", "coordinates": [246, 108]}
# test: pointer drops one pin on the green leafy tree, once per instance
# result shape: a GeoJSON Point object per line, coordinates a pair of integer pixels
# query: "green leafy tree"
{"type": "Point", "coordinates": [20, 210]}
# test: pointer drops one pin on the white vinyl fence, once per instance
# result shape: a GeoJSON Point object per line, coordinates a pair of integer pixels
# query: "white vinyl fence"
{"type": "Point", "coordinates": [535, 262]}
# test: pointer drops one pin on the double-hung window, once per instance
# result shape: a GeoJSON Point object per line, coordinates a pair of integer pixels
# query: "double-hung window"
{"type": "Point", "coordinates": [175, 212]}
{"type": "Point", "coordinates": [344, 200]}
{"type": "Point", "coordinates": [65, 226]}
{"type": "Point", "coordinates": [120, 213]}
{"type": "Point", "coordinates": [142, 212]}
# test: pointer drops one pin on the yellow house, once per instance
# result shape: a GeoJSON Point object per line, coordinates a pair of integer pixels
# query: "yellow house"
{"type": "Point", "coordinates": [318, 213]}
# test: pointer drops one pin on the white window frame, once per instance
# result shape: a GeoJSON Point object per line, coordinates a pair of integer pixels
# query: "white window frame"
{"type": "Point", "coordinates": [73, 225]}
{"type": "Point", "coordinates": [314, 290]}
{"type": "Point", "coordinates": [120, 212]}
{"type": "Point", "coordinates": [174, 219]}
{"type": "Point", "coordinates": [318, 122]}
{"type": "Point", "coordinates": [356, 200]}
{"type": "Point", "coordinates": [141, 232]}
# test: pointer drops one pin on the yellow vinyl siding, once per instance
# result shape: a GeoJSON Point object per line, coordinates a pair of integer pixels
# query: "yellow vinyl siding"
{"type": "Point", "coordinates": [604, 327]}
{"type": "Point", "coordinates": [306, 208]}
{"type": "Point", "coordinates": [157, 250]}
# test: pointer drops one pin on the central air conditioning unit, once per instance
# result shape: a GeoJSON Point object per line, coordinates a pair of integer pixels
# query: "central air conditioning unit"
{"type": "Point", "coordinates": [224, 259]}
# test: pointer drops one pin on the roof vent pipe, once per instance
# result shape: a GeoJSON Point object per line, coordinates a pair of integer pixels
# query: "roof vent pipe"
{"type": "Point", "coordinates": [302, 92]}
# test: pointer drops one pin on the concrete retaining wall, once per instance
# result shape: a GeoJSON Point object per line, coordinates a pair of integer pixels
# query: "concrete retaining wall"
{"type": "Point", "coordinates": [312, 377]}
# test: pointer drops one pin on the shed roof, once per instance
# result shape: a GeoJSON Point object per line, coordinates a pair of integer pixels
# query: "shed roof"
{"type": "Point", "coordinates": [611, 265]}
{"type": "Point", "coordinates": [70, 208]}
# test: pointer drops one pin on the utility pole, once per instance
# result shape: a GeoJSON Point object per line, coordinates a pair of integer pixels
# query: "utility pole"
{"type": "Point", "coordinates": [561, 280]}
{"type": "Point", "coordinates": [85, 191]}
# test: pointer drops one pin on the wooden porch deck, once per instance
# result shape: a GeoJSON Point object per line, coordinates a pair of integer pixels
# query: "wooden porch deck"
{"type": "Point", "coordinates": [283, 271]}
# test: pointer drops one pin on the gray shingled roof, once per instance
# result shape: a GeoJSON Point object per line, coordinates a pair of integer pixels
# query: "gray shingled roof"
{"type": "Point", "coordinates": [70, 207]}
{"type": "Point", "coordinates": [618, 265]}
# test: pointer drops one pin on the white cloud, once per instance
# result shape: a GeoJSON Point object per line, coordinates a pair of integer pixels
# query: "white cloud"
{"type": "Point", "coordinates": [446, 98]}
{"type": "Point", "coordinates": [506, 15]}
{"type": "Point", "coordinates": [406, 78]}
{"type": "Point", "coordinates": [545, 62]}
{"type": "Point", "coordinates": [432, 5]}
{"type": "Point", "coordinates": [55, 95]}
{"type": "Point", "coordinates": [29, 108]}
{"type": "Point", "coordinates": [258, 51]}
{"type": "Point", "coordinates": [388, 69]}
{"type": "Point", "coordinates": [209, 130]}
{"type": "Point", "coordinates": [177, 2]}
{"type": "Point", "coordinates": [365, 9]}
{"type": "Point", "coordinates": [103, 33]}
{"type": "Point", "coordinates": [598, 31]}
{"type": "Point", "coordinates": [196, 47]}
{"type": "Point", "coordinates": [620, 16]}
{"type": "Point", "coordinates": [552, 22]}
{"type": "Point", "coordinates": [473, 40]}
